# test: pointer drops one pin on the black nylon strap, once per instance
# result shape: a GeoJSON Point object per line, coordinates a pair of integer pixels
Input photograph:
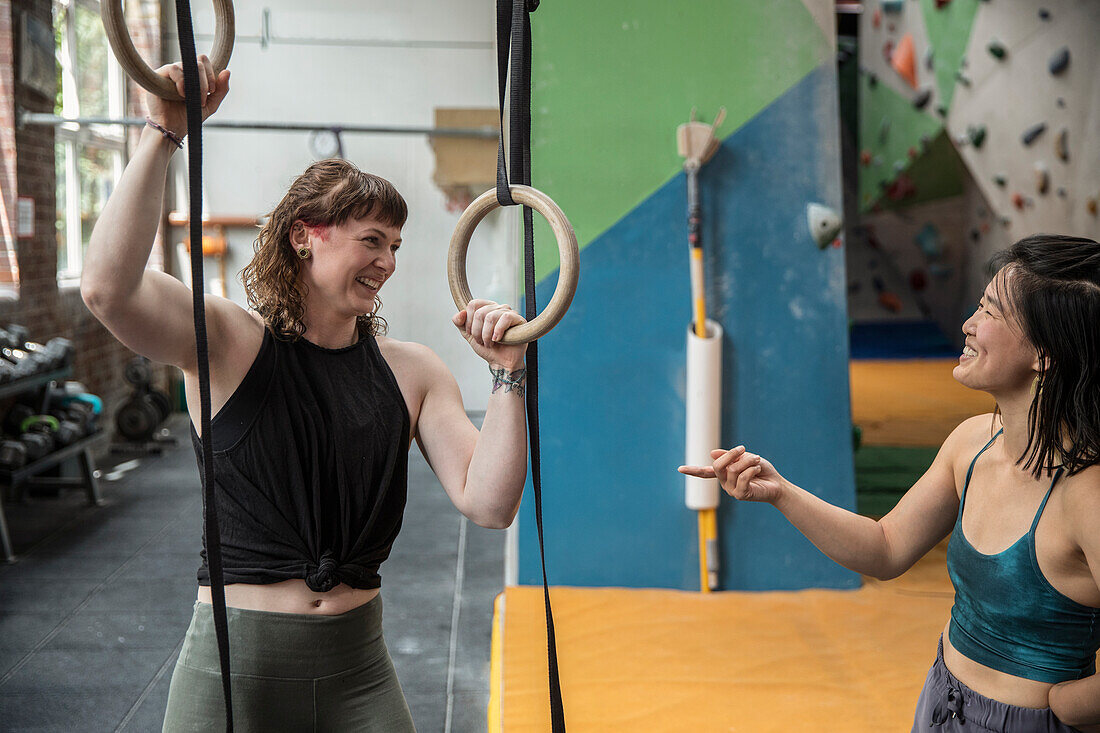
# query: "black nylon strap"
{"type": "Point", "coordinates": [192, 94]}
{"type": "Point", "coordinates": [514, 42]}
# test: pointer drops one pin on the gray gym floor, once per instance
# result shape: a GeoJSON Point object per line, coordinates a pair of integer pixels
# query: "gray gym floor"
{"type": "Point", "coordinates": [93, 613]}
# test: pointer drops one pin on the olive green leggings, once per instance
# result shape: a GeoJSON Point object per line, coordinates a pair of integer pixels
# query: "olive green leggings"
{"type": "Point", "coordinates": [290, 672]}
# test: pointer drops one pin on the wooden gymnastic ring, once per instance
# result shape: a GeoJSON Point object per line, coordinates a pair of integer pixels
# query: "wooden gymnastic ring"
{"type": "Point", "coordinates": [114, 23]}
{"type": "Point", "coordinates": [567, 249]}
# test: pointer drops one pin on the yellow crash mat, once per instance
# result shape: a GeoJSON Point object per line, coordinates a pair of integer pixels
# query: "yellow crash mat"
{"type": "Point", "coordinates": [912, 402]}
{"type": "Point", "coordinates": [660, 660]}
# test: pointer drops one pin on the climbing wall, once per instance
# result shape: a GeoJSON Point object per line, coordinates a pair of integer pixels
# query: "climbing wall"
{"type": "Point", "coordinates": [979, 125]}
{"type": "Point", "coordinates": [612, 81]}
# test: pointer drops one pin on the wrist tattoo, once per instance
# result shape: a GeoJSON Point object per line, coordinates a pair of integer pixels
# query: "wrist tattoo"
{"type": "Point", "coordinates": [510, 381]}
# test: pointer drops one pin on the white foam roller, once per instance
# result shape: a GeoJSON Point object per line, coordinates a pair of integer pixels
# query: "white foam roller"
{"type": "Point", "coordinates": [704, 412]}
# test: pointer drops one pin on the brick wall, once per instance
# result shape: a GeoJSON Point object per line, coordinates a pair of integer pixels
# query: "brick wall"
{"type": "Point", "coordinates": [28, 163]}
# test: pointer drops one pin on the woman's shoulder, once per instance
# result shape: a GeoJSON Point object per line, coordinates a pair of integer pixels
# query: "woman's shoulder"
{"type": "Point", "coordinates": [409, 357]}
{"type": "Point", "coordinates": [969, 437]}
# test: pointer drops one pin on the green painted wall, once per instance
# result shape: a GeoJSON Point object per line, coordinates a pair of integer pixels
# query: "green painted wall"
{"type": "Point", "coordinates": [621, 136]}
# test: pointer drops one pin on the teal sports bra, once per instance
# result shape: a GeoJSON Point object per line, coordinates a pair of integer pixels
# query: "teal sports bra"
{"type": "Point", "coordinates": [1009, 617]}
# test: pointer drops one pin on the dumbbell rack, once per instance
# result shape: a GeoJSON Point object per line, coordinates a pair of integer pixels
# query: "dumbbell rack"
{"type": "Point", "coordinates": [14, 481]}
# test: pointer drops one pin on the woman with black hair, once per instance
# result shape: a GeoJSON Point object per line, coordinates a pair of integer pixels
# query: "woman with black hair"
{"type": "Point", "coordinates": [1019, 488]}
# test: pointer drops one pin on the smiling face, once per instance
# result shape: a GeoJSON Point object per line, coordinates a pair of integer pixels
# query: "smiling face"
{"type": "Point", "coordinates": [349, 263]}
{"type": "Point", "coordinates": [997, 357]}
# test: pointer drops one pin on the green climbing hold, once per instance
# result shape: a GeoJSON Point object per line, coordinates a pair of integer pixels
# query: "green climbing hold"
{"type": "Point", "coordinates": [997, 49]}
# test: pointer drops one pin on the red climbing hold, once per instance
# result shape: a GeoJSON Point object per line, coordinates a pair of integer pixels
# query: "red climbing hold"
{"type": "Point", "coordinates": [865, 157]}
{"type": "Point", "coordinates": [1018, 201]}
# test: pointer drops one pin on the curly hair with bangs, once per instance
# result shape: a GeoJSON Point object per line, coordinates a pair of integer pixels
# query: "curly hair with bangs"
{"type": "Point", "coordinates": [328, 193]}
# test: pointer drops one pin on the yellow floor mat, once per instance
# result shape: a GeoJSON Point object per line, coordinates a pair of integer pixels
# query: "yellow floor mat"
{"type": "Point", "coordinates": [658, 660]}
{"type": "Point", "coordinates": [913, 402]}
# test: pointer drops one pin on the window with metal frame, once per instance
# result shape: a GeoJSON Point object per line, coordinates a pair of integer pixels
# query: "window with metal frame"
{"type": "Point", "coordinates": [89, 158]}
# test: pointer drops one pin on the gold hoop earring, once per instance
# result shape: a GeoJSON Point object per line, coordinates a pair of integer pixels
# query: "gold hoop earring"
{"type": "Point", "coordinates": [303, 253]}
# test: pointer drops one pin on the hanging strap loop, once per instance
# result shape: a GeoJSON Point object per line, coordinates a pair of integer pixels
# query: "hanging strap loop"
{"type": "Point", "coordinates": [514, 44]}
{"type": "Point", "coordinates": [193, 102]}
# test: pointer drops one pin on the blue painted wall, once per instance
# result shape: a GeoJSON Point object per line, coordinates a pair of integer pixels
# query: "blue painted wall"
{"type": "Point", "coordinates": [612, 372]}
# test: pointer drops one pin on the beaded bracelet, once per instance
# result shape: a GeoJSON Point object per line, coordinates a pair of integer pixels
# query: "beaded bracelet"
{"type": "Point", "coordinates": [166, 132]}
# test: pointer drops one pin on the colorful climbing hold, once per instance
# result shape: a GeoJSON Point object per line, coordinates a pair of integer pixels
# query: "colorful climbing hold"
{"type": "Point", "coordinates": [865, 157]}
{"type": "Point", "coordinates": [1060, 102]}
{"type": "Point", "coordinates": [975, 235]}
{"type": "Point", "coordinates": [921, 100]}
{"type": "Point", "coordinates": [903, 59]}
{"type": "Point", "coordinates": [976, 135]}
{"type": "Point", "coordinates": [1044, 14]}
{"type": "Point", "coordinates": [1091, 205]}
{"type": "Point", "coordinates": [1059, 62]}
{"type": "Point", "coordinates": [1062, 192]}
{"type": "Point", "coordinates": [824, 224]}
{"type": "Point", "coordinates": [1018, 201]}
{"type": "Point", "coordinates": [902, 188]}
{"type": "Point", "coordinates": [893, 6]}
{"type": "Point", "coordinates": [888, 50]}
{"type": "Point", "coordinates": [1000, 180]}
{"type": "Point", "coordinates": [913, 153]}
{"type": "Point", "coordinates": [1042, 178]}
{"type": "Point", "coordinates": [878, 284]}
{"type": "Point", "coordinates": [941, 3]}
{"type": "Point", "coordinates": [941, 110]}
{"type": "Point", "coordinates": [876, 18]}
{"type": "Point", "coordinates": [928, 239]}
{"type": "Point", "coordinates": [890, 302]}
{"type": "Point", "coordinates": [930, 58]}
{"type": "Point", "coordinates": [1033, 132]}
{"type": "Point", "coordinates": [1061, 145]}
{"type": "Point", "coordinates": [918, 280]}
{"type": "Point", "coordinates": [997, 49]}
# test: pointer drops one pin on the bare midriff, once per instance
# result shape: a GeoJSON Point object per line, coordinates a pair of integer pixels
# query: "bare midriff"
{"type": "Point", "coordinates": [993, 684]}
{"type": "Point", "coordinates": [291, 596]}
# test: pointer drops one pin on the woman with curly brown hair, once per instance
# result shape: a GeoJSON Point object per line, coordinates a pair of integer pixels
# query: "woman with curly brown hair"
{"type": "Point", "coordinates": [314, 413]}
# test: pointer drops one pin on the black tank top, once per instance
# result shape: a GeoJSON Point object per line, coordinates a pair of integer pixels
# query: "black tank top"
{"type": "Point", "coordinates": [310, 466]}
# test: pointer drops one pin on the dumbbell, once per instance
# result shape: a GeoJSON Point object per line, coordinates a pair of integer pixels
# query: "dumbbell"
{"type": "Point", "coordinates": [45, 425]}
{"type": "Point", "coordinates": [42, 356]}
{"type": "Point", "coordinates": [23, 364]}
{"type": "Point", "coordinates": [13, 455]}
{"type": "Point", "coordinates": [68, 430]}
{"type": "Point", "coordinates": [81, 413]}
{"type": "Point", "coordinates": [137, 418]}
{"type": "Point", "coordinates": [38, 445]}
{"type": "Point", "coordinates": [63, 350]}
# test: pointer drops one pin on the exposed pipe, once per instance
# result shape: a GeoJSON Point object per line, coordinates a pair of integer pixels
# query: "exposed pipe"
{"type": "Point", "coordinates": [41, 118]}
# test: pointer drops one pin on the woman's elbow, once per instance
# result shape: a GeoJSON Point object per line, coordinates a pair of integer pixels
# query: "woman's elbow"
{"type": "Point", "coordinates": [493, 519]}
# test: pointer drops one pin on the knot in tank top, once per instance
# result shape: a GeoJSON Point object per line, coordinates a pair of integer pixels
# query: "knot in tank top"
{"type": "Point", "coordinates": [310, 466]}
{"type": "Point", "coordinates": [1008, 616]}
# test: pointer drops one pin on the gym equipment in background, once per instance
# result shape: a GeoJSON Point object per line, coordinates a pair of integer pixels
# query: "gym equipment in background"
{"type": "Point", "coordinates": [703, 427]}
{"type": "Point", "coordinates": [139, 419]}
